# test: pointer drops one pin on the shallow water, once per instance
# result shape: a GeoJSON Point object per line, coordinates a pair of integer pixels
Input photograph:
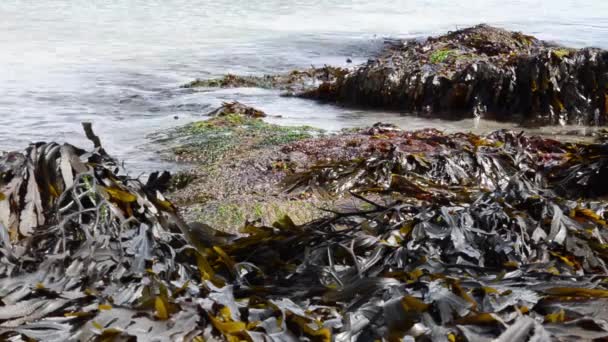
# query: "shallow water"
{"type": "Point", "coordinates": [119, 63]}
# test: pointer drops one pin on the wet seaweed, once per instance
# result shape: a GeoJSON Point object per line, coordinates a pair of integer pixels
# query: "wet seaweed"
{"type": "Point", "coordinates": [466, 238]}
{"type": "Point", "coordinates": [480, 71]}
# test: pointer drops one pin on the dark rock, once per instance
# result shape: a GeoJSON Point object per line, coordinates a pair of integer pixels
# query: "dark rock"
{"type": "Point", "coordinates": [382, 128]}
{"type": "Point", "coordinates": [481, 71]}
{"type": "Point", "coordinates": [237, 108]}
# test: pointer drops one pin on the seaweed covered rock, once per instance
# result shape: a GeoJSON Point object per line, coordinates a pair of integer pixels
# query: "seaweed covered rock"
{"type": "Point", "coordinates": [236, 165]}
{"type": "Point", "coordinates": [237, 108]}
{"type": "Point", "coordinates": [296, 81]}
{"type": "Point", "coordinates": [481, 70]}
{"type": "Point", "coordinates": [233, 128]}
{"type": "Point", "coordinates": [374, 158]}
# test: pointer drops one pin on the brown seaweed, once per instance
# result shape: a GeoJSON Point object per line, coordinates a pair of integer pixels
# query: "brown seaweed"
{"type": "Point", "coordinates": [467, 238]}
{"type": "Point", "coordinates": [480, 71]}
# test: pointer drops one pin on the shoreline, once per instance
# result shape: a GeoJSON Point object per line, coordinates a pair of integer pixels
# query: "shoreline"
{"type": "Point", "coordinates": [295, 233]}
{"type": "Point", "coordinates": [509, 227]}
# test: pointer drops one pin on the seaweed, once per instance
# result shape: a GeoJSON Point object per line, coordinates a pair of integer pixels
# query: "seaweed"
{"type": "Point", "coordinates": [440, 56]}
{"type": "Point", "coordinates": [479, 71]}
{"type": "Point", "coordinates": [232, 128]}
{"type": "Point", "coordinates": [464, 238]}
{"type": "Point", "coordinates": [293, 82]}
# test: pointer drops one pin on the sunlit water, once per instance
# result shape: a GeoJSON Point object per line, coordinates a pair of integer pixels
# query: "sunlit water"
{"type": "Point", "coordinates": [120, 63]}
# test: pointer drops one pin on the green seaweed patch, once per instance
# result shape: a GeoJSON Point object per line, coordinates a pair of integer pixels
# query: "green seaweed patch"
{"type": "Point", "coordinates": [199, 83]}
{"type": "Point", "coordinates": [281, 135]}
{"type": "Point", "coordinates": [441, 56]}
{"type": "Point", "coordinates": [233, 81]}
{"type": "Point", "coordinates": [214, 139]}
{"type": "Point", "coordinates": [563, 52]}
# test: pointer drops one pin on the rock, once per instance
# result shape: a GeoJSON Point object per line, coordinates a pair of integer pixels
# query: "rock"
{"type": "Point", "coordinates": [294, 82]}
{"type": "Point", "coordinates": [382, 128]}
{"type": "Point", "coordinates": [11, 164]}
{"type": "Point", "coordinates": [298, 158]}
{"type": "Point", "coordinates": [480, 71]}
{"type": "Point", "coordinates": [238, 108]}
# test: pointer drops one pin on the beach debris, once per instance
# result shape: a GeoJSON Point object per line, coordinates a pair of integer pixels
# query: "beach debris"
{"type": "Point", "coordinates": [465, 238]}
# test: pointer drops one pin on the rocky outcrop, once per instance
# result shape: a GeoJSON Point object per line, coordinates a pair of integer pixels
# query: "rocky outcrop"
{"type": "Point", "coordinates": [482, 71]}
{"type": "Point", "coordinates": [237, 108]}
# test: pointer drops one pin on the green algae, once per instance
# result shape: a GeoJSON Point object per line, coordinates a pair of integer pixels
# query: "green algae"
{"type": "Point", "coordinates": [441, 56]}
{"type": "Point", "coordinates": [563, 52]}
{"type": "Point", "coordinates": [232, 81]}
{"type": "Point", "coordinates": [214, 139]}
{"type": "Point", "coordinates": [294, 82]}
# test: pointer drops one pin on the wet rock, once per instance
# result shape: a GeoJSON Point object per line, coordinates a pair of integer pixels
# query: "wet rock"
{"type": "Point", "coordinates": [382, 128]}
{"type": "Point", "coordinates": [232, 129]}
{"type": "Point", "coordinates": [294, 82]}
{"type": "Point", "coordinates": [237, 108]}
{"type": "Point", "coordinates": [481, 71]}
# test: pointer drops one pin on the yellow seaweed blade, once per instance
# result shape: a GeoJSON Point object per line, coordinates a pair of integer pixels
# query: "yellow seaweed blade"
{"type": "Point", "coordinates": [161, 308]}
{"type": "Point", "coordinates": [53, 191]}
{"type": "Point", "coordinates": [225, 257]}
{"type": "Point", "coordinates": [565, 259]}
{"type": "Point", "coordinates": [577, 292]}
{"type": "Point", "coordinates": [121, 195]}
{"type": "Point", "coordinates": [285, 223]}
{"type": "Point", "coordinates": [105, 307]}
{"type": "Point", "coordinates": [556, 317]}
{"type": "Point", "coordinates": [583, 213]}
{"type": "Point", "coordinates": [478, 319]}
{"type": "Point", "coordinates": [459, 291]}
{"type": "Point", "coordinates": [410, 303]}
{"type": "Point", "coordinates": [322, 334]}
{"type": "Point", "coordinates": [207, 272]}
{"type": "Point", "coordinates": [228, 328]}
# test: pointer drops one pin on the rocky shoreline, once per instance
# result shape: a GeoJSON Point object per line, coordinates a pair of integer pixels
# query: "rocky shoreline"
{"type": "Point", "coordinates": [452, 237]}
{"type": "Point", "coordinates": [480, 71]}
{"type": "Point", "coordinates": [295, 233]}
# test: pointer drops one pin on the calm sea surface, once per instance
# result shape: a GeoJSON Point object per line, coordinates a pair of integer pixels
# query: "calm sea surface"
{"type": "Point", "coordinates": [119, 63]}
